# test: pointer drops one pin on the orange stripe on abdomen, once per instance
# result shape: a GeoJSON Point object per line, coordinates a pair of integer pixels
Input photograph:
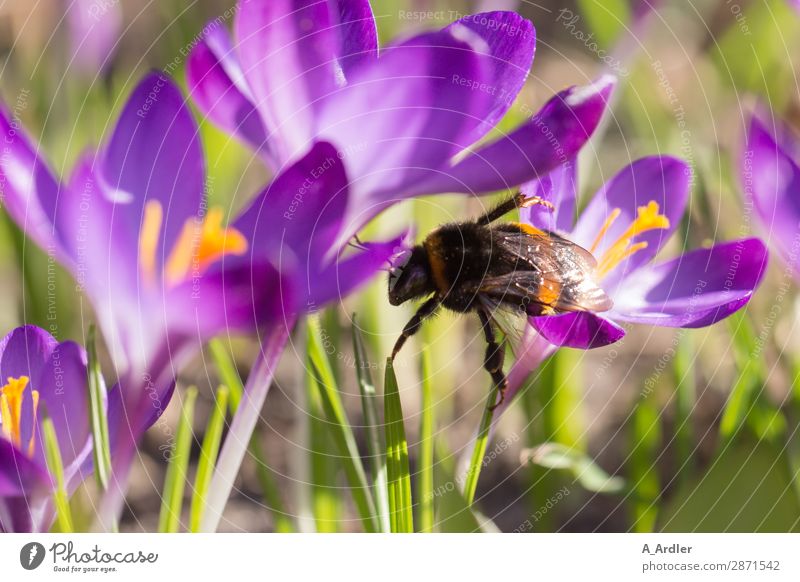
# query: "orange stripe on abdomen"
{"type": "Point", "coordinates": [433, 247]}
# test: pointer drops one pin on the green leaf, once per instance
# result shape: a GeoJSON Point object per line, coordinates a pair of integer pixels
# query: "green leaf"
{"type": "Point", "coordinates": [339, 427]}
{"type": "Point", "coordinates": [607, 19]}
{"type": "Point", "coordinates": [586, 472]}
{"type": "Point", "coordinates": [645, 435]}
{"type": "Point", "coordinates": [454, 514]}
{"type": "Point", "coordinates": [479, 451]}
{"type": "Point", "coordinates": [97, 415]}
{"type": "Point", "coordinates": [55, 466]}
{"type": "Point", "coordinates": [426, 512]}
{"type": "Point", "coordinates": [324, 465]}
{"type": "Point", "coordinates": [374, 436]}
{"type": "Point", "coordinates": [398, 474]}
{"type": "Point", "coordinates": [750, 381]}
{"type": "Point", "coordinates": [175, 480]}
{"type": "Point", "coordinates": [685, 395]}
{"type": "Point", "coordinates": [561, 397]}
{"type": "Point", "coordinates": [227, 372]}
{"type": "Point", "coordinates": [208, 457]}
{"type": "Point", "coordinates": [747, 488]}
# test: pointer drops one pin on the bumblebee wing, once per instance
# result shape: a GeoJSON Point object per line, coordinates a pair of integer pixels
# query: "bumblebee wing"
{"type": "Point", "coordinates": [554, 273]}
{"type": "Point", "coordinates": [509, 322]}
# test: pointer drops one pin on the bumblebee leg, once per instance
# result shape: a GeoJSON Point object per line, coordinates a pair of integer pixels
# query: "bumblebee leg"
{"type": "Point", "coordinates": [412, 327]}
{"type": "Point", "coordinates": [518, 200]}
{"type": "Point", "coordinates": [502, 209]}
{"type": "Point", "coordinates": [536, 200]}
{"type": "Point", "coordinates": [356, 243]}
{"type": "Point", "coordinates": [493, 362]}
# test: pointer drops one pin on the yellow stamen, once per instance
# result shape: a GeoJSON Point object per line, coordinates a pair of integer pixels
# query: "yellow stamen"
{"type": "Point", "coordinates": [11, 396]}
{"type": "Point", "coordinates": [148, 239]}
{"type": "Point", "coordinates": [202, 243]}
{"type": "Point", "coordinates": [606, 225]}
{"type": "Point", "coordinates": [647, 218]}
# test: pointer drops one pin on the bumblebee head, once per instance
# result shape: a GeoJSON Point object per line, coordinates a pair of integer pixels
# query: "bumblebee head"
{"type": "Point", "coordinates": [410, 276]}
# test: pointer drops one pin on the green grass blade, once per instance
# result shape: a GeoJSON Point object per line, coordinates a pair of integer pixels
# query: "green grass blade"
{"type": "Point", "coordinates": [208, 457]}
{"type": "Point", "coordinates": [425, 491]}
{"type": "Point", "coordinates": [586, 472]}
{"type": "Point", "coordinates": [175, 480]}
{"type": "Point", "coordinates": [227, 372]}
{"type": "Point", "coordinates": [751, 372]}
{"type": "Point", "coordinates": [339, 427]}
{"type": "Point", "coordinates": [269, 489]}
{"type": "Point", "coordinates": [399, 476]}
{"type": "Point", "coordinates": [56, 468]}
{"type": "Point", "coordinates": [645, 436]}
{"type": "Point", "coordinates": [685, 395]}
{"type": "Point", "coordinates": [478, 453]}
{"type": "Point", "coordinates": [374, 436]}
{"type": "Point", "coordinates": [326, 501]}
{"type": "Point", "coordinates": [453, 513]}
{"type": "Point", "coordinates": [282, 520]}
{"type": "Point", "coordinates": [97, 415]}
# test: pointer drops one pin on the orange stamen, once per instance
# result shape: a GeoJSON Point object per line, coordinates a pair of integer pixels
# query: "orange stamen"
{"type": "Point", "coordinates": [647, 218]}
{"type": "Point", "coordinates": [200, 243]}
{"type": "Point", "coordinates": [11, 396]}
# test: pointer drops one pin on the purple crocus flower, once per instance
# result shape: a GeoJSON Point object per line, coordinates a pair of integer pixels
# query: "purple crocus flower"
{"type": "Point", "coordinates": [94, 27]}
{"type": "Point", "coordinates": [624, 226]}
{"type": "Point", "coordinates": [771, 179]}
{"type": "Point", "coordinates": [162, 270]}
{"type": "Point", "coordinates": [407, 119]}
{"type": "Point", "coordinates": [39, 373]}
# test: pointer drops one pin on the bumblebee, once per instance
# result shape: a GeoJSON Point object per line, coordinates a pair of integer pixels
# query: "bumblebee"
{"type": "Point", "coordinates": [493, 268]}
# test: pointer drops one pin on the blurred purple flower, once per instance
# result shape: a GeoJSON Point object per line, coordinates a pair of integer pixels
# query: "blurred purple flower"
{"type": "Point", "coordinates": [163, 272]}
{"type": "Point", "coordinates": [39, 373]}
{"type": "Point", "coordinates": [303, 70]}
{"type": "Point", "coordinates": [94, 27]}
{"type": "Point", "coordinates": [771, 177]}
{"type": "Point", "coordinates": [624, 226]}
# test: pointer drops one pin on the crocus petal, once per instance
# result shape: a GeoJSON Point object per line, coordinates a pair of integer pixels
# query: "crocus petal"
{"type": "Point", "coordinates": [99, 236]}
{"type": "Point", "coordinates": [288, 52]}
{"type": "Point", "coordinates": [27, 186]}
{"type": "Point", "coordinates": [218, 87]}
{"type": "Point", "coordinates": [406, 114]}
{"type": "Point", "coordinates": [510, 45]}
{"type": "Point", "coordinates": [94, 31]}
{"type": "Point", "coordinates": [696, 289]}
{"type": "Point", "coordinates": [551, 138]}
{"type": "Point", "coordinates": [358, 33]}
{"type": "Point", "coordinates": [560, 189]}
{"type": "Point", "coordinates": [772, 178]}
{"type": "Point", "coordinates": [662, 179]}
{"type": "Point", "coordinates": [226, 299]}
{"type": "Point", "coordinates": [63, 389]}
{"type": "Point", "coordinates": [344, 277]}
{"type": "Point", "coordinates": [301, 211]}
{"type": "Point", "coordinates": [579, 329]}
{"type": "Point", "coordinates": [20, 475]}
{"type": "Point", "coordinates": [154, 154]}
{"type": "Point", "coordinates": [24, 352]}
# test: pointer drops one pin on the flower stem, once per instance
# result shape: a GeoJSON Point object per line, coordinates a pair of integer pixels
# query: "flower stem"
{"type": "Point", "coordinates": [242, 426]}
